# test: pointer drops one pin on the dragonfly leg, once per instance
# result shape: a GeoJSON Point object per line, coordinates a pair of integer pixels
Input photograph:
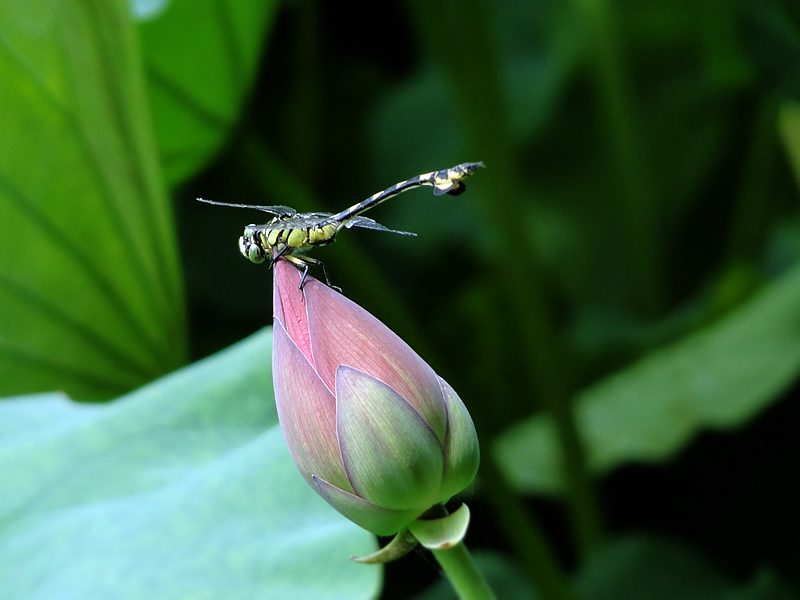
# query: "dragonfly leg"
{"type": "Point", "coordinates": [277, 255]}
{"type": "Point", "coordinates": [328, 279]}
{"type": "Point", "coordinates": [300, 263]}
{"type": "Point", "coordinates": [321, 264]}
{"type": "Point", "coordinates": [303, 276]}
{"type": "Point", "coordinates": [303, 263]}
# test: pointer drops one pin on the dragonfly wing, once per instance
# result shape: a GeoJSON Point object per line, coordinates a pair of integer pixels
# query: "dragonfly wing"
{"type": "Point", "coordinates": [303, 221]}
{"type": "Point", "coordinates": [368, 223]}
{"type": "Point", "coordinates": [278, 211]}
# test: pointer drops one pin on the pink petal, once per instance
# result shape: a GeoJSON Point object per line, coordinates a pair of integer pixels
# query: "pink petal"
{"type": "Point", "coordinates": [343, 333]}
{"type": "Point", "coordinates": [289, 306]}
{"type": "Point", "coordinates": [306, 411]}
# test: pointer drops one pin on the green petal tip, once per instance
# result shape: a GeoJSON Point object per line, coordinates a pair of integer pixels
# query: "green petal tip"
{"type": "Point", "coordinates": [403, 543]}
{"type": "Point", "coordinates": [440, 534]}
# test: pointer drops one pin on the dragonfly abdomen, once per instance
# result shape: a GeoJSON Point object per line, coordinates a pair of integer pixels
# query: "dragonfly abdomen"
{"type": "Point", "coordinates": [322, 234]}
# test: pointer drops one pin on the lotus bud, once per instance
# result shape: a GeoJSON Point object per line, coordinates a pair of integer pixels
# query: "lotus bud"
{"type": "Point", "coordinates": [369, 424]}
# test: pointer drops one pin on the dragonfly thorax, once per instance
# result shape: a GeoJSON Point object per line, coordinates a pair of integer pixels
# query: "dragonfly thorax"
{"type": "Point", "coordinates": [283, 237]}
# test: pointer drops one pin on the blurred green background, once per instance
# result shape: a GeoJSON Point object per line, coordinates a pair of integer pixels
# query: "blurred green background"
{"type": "Point", "coordinates": [619, 289]}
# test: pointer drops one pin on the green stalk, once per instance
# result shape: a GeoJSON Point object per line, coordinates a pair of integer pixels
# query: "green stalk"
{"type": "Point", "coordinates": [460, 569]}
{"type": "Point", "coordinates": [303, 111]}
{"type": "Point", "coordinates": [789, 131]}
{"type": "Point", "coordinates": [752, 198]}
{"type": "Point", "coordinates": [524, 534]}
{"type": "Point", "coordinates": [637, 202]}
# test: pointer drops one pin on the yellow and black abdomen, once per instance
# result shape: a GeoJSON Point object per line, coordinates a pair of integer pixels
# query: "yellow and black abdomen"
{"type": "Point", "coordinates": [320, 235]}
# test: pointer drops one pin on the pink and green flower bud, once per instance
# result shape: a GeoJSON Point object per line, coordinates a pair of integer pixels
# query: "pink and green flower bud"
{"type": "Point", "coordinates": [369, 424]}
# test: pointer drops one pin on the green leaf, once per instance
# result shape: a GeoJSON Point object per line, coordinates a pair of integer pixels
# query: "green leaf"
{"type": "Point", "coordinates": [658, 569]}
{"type": "Point", "coordinates": [717, 378]}
{"type": "Point", "coordinates": [646, 567]}
{"type": "Point", "coordinates": [201, 58]}
{"type": "Point", "coordinates": [91, 297]}
{"type": "Point", "coordinates": [182, 489]}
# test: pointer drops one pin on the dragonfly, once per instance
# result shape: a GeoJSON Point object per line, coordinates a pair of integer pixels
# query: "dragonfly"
{"type": "Point", "coordinates": [289, 234]}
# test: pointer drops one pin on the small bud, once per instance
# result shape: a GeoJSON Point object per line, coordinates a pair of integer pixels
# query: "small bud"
{"type": "Point", "coordinates": [369, 425]}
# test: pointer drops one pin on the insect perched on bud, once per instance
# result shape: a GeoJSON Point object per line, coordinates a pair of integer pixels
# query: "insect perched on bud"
{"type": "Point", "coordinates": [289, 233]}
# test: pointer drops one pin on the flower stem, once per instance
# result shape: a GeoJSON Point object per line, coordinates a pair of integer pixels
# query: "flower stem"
{"type": "Point", "coordinates": [464, 576]}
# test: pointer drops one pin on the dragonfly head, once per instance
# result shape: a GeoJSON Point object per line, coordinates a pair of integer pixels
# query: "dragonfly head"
{"type": "Point", "coordinates": [249, 245]}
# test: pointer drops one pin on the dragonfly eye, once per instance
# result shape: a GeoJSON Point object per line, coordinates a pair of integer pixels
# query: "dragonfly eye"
{"type": "Point", "coordinates": [255, 254]}
{"type": "Point", "coordinates": [250, 249]}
